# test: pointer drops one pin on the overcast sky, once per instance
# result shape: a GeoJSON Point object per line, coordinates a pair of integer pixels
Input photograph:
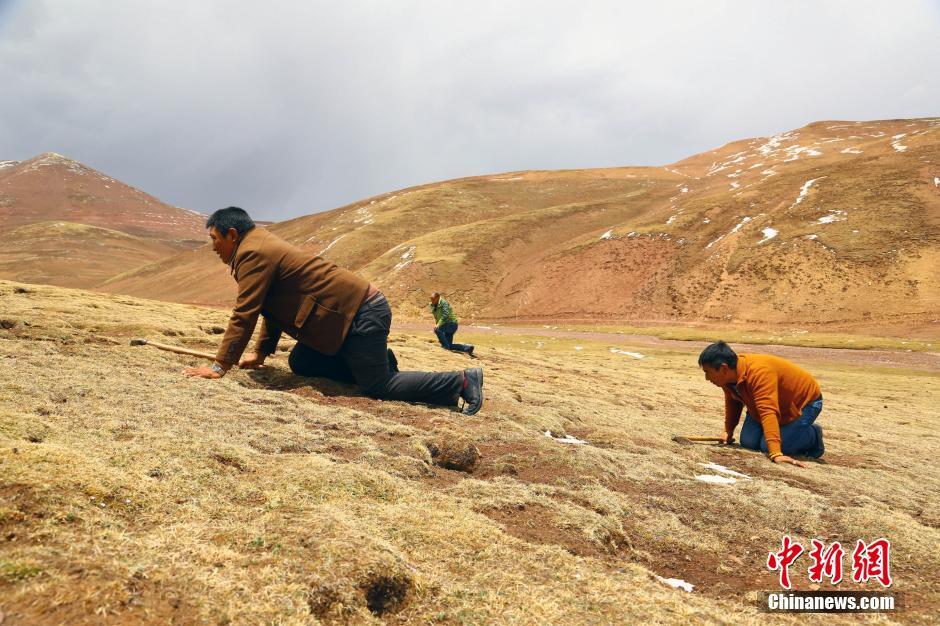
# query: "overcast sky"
{"type": "Point", "coordinates": [293, 107]}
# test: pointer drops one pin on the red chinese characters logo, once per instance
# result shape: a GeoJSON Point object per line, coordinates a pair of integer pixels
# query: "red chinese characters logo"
{"type": "Point", "coordinates": [869, 561]}
{"type": "Point", "coordinates": [872, 561]}
{"type": "Point", "coordinates": [784, 559]}
{"type": "Point", "coordinates": [827, 563]}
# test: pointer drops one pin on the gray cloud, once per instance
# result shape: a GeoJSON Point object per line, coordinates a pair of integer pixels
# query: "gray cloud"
{"type": "Point", "coordinates": [288, 108]}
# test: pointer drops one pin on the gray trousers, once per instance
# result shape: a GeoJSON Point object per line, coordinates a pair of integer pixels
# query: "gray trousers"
{"type": "Point", "coordinates": [363, 360]}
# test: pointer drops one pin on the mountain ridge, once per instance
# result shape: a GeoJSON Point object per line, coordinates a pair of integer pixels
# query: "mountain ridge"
{"type": "Point", "coordinates": [800, 228]}
{"type": "Point", "coordinates": [52, 189]}
{"type": "Point", "coordinates": [795, 228]}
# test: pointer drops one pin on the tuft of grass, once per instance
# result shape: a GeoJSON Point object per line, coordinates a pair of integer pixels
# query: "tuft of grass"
{"type": "Point", "coordinates": [18, 572]}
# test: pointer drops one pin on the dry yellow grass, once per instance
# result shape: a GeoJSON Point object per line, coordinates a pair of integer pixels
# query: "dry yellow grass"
{"type": "Point", "coordinates": [131, 494]}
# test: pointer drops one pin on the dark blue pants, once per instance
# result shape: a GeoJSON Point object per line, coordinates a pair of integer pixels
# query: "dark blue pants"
{"type": "Point", "coordinates": [445, 334]}
{"type": "Point", "coordinates": [796, 437]}
{"type": "Point", "coordinates": [363, 360]}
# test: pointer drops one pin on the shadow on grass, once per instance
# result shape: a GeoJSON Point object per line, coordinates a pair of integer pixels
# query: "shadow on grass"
{"type": "Point", "coordinates": [279, 380]}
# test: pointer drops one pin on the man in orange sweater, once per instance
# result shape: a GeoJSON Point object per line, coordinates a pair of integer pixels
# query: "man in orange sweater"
{"type": "Point", "coordinates": [782, 400]}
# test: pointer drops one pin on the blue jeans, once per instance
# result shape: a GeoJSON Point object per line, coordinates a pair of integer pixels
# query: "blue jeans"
{"type": "Point", "coordinates": [445, 334]}
{"type": "Point", "coordinates": [796, 437]}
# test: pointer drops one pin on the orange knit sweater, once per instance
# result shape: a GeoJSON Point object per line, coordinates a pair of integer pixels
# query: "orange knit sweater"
{"type": "Point", "coordinates": [774, 391]}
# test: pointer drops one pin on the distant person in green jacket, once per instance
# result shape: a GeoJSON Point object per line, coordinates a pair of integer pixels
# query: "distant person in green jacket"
{"type": "Point", "coordinates": [446, 324]}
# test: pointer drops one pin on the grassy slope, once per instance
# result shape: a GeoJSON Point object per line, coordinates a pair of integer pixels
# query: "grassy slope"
{"type": "Point", "coordinates": [68, 254]}
{"type": "Point", "coordinates": [131, 493]}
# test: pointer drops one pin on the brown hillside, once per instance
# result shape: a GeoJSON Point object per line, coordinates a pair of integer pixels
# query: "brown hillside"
{"type": "Point", "coordinates": [64, 223]}
{"type": "Point", "coordinates": [73, 255]}
{"type": "Point", "coordinates": [834, 225]}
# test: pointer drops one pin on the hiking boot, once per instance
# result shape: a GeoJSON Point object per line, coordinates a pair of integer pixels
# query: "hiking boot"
{"type": "Point", "coordinates": [472, 392]}
{"type": "Point", "coordinates": [819, 449]}
{"type": "Point", "coordinates": [470, 350]}
{"type": "Point", "coordinates": [392, 362]}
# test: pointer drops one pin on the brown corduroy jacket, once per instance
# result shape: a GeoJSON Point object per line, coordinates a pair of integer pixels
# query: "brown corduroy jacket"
{"type": "Point", "coordinates": [301, 294]}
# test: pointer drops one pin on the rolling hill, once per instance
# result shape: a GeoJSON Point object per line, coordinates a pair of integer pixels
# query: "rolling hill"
{"type": "Point", "coordinates": [67, 224]}
{"type": "Point", "coordinates": [835, 225]}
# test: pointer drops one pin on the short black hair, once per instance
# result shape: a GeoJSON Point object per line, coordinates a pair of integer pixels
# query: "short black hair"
{"type": "Point", "coordinates": [231, 217]}
{"type": "Point", "coordinates": [716, 354]}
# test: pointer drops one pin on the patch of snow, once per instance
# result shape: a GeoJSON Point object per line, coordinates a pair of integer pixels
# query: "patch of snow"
{"type": "Point", "coordinates": [331, 244]}
{"type": "Point", "coordinates": [706, 221]}
{"type": "Point", "coordinates": [812, 236]}
{"type": "Point", "coordinates": [735, 185]}
{"type": "Point", "coordinates": [635, 355]}
{"type": "Point", "coordinates": [733, 230]}
{"type": "Point", "coordinates": [672, 219]}
{"type": "Point", "coordinates": [608, 234]}
{"type": "Point", "coordinates": [739, 225]}
{"type": "Point", "coordinates": [676, 583]}
{"type": "Point", "coordinates": [407, 258]}
{"type": "Point", "coordinates": [774, 142]}
{"type": "Point", "coordinates": [578, 348]}
{"type": "Point", "coordinates": [716, 480]}
{"type": "Point", "coordinates": [5, 164]}
{"type": "Point", "coordinates": [794, 152]}
{"type": "Point", "coordinates": [684, 190]}
{"type": "Point", "coordinates": [832, 217]}
{"type": "Point", "coordinates": [769, 233]}
{"type": "Point", "coordinates": [896, 144]}
{"type": "Point", "coordinates": [724, 470]}
{"type": "Point", "coordinates": [364, 215]}
{"type": "Point", "coordinates": [804, 189]}
{"type": "Point", "coordinates": [936, 181]}
{"type": "Point", "coordinates": [566, 439]}
{"type": "Point", "coordinates": [715, 168]}
{"type": "Point", "coordinates": [851, 150]}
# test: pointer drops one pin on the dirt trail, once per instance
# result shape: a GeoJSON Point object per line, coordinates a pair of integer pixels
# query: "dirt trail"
{"type": "Point", "coordinates": [879, 358]}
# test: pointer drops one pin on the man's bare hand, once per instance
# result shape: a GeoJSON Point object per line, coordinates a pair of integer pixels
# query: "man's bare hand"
{"type": "Point", "coordinates": [201, 372]}
{"type": "Point", "coordinates": [252, 361]}
{"type": "Point", "coordinates": [783, 458]}
{"type": "Point", "coordinates": [727, 438]}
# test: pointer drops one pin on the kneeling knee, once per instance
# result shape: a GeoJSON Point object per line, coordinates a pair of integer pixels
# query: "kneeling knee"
{"type": "Point", "coordinates": [750, 442]}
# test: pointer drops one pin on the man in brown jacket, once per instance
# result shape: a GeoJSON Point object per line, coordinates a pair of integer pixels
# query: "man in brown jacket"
{"type": "Point", "coordinates": [340, 321]}
{"type": "Point", "coordinates": [782, 400]}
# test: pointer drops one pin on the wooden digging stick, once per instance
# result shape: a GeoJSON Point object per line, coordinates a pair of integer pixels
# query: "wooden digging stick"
{"type": "Point", "coordinates": [688, 440]}
{"type": "Point", "coordinates": [176, 349]}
